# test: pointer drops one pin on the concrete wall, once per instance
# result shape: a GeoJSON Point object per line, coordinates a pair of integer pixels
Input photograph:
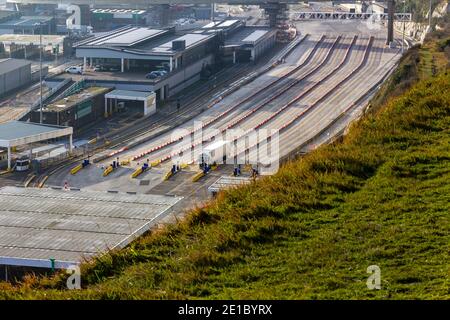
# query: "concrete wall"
{"type": "Point", "coordinates": [14, 79]}
{"type": "Point", "coordinates": [151, 105]}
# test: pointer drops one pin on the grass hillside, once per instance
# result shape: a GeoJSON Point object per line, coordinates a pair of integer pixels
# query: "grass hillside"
{"type": "Point", "coordinates": [380, 197]}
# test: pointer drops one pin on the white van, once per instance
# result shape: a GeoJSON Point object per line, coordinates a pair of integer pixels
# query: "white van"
{"type": "Point", "coordinates": [75, 70]}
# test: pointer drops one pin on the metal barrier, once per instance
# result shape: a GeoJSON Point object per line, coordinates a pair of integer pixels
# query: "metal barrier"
{"type": "Point", "coordinates": [108, 170]}
{"type": "Point", "coordinates": [198, 176]}
{"type": "Point", "coordinates": [168, 175]}
{"type": "Point", "coordinates": [74, 170]}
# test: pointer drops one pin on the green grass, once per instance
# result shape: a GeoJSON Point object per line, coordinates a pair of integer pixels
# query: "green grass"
{"type": "Point", "coordinates": [419, 62]}
{"type": "Point", "coordinates": [381, 197]}
{"type": "Point", "coordinates": [406, 75]}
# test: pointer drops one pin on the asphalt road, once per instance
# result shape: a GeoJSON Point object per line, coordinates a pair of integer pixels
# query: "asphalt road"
{"type": "Point", "coordinates": [316, 81]}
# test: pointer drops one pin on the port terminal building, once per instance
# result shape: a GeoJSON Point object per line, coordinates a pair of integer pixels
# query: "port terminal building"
{"type": "Point", "coordinates": [141, 50]}
{"type": "Point", "coordinates": [132, 53]}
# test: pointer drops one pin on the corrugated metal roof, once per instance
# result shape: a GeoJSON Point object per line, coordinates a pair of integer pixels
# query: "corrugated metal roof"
{"type": "Point", "coordinates": [10, 64]}
{"type": "Point", "coordinates": [190, 38]}
{"type": "Point", "coordinates": [37, 225]}
{"type": "Point", "coordinates": [125, 37]}
{"type": "Point", "coordinates": [133, 37]}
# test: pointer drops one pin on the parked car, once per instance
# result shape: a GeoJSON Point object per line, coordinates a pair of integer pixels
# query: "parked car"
{"type": "Point", "coordinates": [75, 70]}
{"type": "Point", "coordinates": [156, 74]}
{"type": "Point", "coordinates": [99, 68]}
{"type": "Point", "coordinates": [152, 75]}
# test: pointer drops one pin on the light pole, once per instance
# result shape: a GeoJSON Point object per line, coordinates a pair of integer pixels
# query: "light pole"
{"type": "Point", "coordinates": [40, 72]}
{"type": "Point", "coordinates": [403, 40]}
{"type": "Point", "coordinates": [429, 17]}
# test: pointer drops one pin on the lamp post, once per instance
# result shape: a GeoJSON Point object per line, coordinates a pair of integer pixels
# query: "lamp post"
{"type": "Point", "coordinates": [403, 35]}
{"type": "Point", "coordinates": [40, 71]}
{"type": "Point", "coordinates": [429, 17]}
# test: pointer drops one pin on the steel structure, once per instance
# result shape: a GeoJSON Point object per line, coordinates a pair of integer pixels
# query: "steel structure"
{"type": "Point", "coordinates": [348, 16]}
